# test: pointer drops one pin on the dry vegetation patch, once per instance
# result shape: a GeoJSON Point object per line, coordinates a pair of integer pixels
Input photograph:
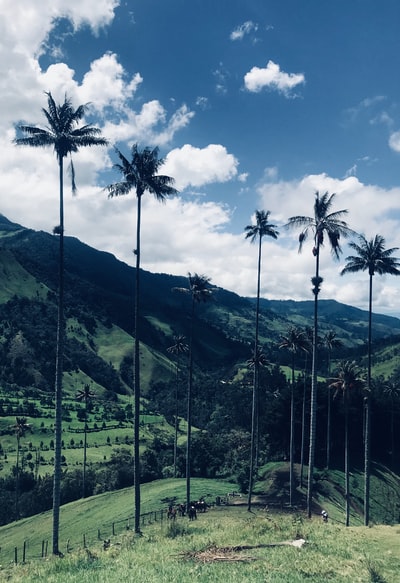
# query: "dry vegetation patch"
{"type": "Point", "coordinates": [214, 553]}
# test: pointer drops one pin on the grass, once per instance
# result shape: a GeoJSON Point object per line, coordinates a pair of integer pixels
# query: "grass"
{"type": "Point", "coordinates": [99, 513]}
{"type": "Point", "coordinates": [228, 544]}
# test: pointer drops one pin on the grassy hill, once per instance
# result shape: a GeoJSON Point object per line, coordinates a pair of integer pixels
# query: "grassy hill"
{"type": "Point", "coordinates": [226, 542]}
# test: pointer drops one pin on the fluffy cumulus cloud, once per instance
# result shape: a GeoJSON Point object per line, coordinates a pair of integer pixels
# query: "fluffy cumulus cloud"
{"type": "Point", "coordinates": [199, 166]}
{"type": "Point", "coordinates": [272, 77]}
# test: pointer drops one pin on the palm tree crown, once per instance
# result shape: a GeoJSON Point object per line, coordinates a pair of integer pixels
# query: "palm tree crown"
{"type": "Point", "coordinates": [372, 257]}
{"type": "Point", "coordinates": [141, 174]}
{"type": "Point", "coordinates": [322, 222]}
{"type": "Point", "coordinates": [61, 132]}
{"type": "Point", "coordinates": [295, 340]}
{"type": "Point", "coordinates": [348, 377]}
{"type": "Point", "coordinates": [261, 228]}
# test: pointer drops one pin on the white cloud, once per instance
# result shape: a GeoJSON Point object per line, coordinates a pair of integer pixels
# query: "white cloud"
{"type": "Point", "coordinates": [243, 29]}
{"type": "Point", "coordinates": [193, 166]}
{"type": "Point", "coordinates": [394, 141]}
{"type": "Point", "coordinates": [272, 77]}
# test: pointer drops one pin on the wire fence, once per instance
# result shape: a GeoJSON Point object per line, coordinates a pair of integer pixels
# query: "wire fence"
{"type": "Point", "coordinates": [33, 548]}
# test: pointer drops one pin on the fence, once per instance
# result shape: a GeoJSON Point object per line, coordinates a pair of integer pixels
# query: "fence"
{"type": "Point", "coordinates": [32, 548]}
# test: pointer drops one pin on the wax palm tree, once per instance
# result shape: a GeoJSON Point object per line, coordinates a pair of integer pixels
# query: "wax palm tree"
{"type": "Point", "coordinates": [140, 174]}
{"type": "Point", "coordinates": [294, 341]}
{"type": "Point", "coordinates": [178, 348]}
{"type": "Point", "coordinates": [66, 137]}
{"type": "Point", "coordinates": [200, 291]}
{"type": "Point", "coordinates": [370, 256]}
{"type": "Point", "coordinates": [85, 395]}
{"type": "Point", "coordinates": [323, 222]}
{"type": "Point", "coordinates": [256, 232]}
{"type": "Point", "coordinates": [20, 428]}
{"type": "Point", "coordinates": [391, 390]}
{"type": "Point", "coordinates": [330, 341]}
{"type": "Point", "coordinates": [348, 379]}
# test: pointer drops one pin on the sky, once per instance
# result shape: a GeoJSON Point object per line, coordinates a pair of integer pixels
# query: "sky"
{"type": "Point", "coordinates": [253, 104]}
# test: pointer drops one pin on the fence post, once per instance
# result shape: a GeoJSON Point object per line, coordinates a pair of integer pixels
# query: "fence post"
{"type": "Point", "coordinates": [113, 528]}
{"type": "Point", "coordinates": [98, 534]}
{"type": "Point", "coordinates": [15, 555]}
{"type": "Point", "coordinates": [84, 541]}
{"type": "Point", "coordinates": [68, 546]}
{"type": "Point", "coordinates": [24, 552]}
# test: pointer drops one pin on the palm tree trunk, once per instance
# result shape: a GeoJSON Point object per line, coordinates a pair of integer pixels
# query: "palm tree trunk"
{"type": "Point", "coordinates": [17, 481]}
{"type": "Point", "coordinates": [59, 373]}
{"type": "Point", "coordinates": [291, 463]}
{"type": "Point", "coordinates": [346, 456]}
{"type": "Point", "coordinates": [303, 423]}
{"type": "Point", "coordinates": [84, 453]}
{"type": "Point", "coordinates": [176, 414]}
{"type": "Point", "coordinates": [136, 374]}
{"type": "Point", "coordinates": [313, 406]}
{"type": "Point", "coordinates": [189, 410]}
{"type": "Point", "coordinates": [368, 413]}
{"type": "Point", "coordinates": [254, 408]}
{"type": "Point", "coordinates": [328, 423]}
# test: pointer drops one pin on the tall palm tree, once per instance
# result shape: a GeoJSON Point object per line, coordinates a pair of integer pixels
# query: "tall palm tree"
{"type": "Point", "coordinates": [85, 395]}
{"type": "Point", "coordinates": [323, 222]}
{"type": "Point", "coordinates": [347, 380]}
{"type": "Point", "coordinates": [256, 232]}
{"type": "Point", "coordinates": [330, 341]}
{"type": "Point", "coordinates": [66, 136]}
{"type": "Point", "coordinates": [20, 428]}
{"type": "Point", "coordinates": [200, 291]}
{"type": "Point", "coordinates": [295, 340]}
{"type": "Point", "coordinates": [370, 256]}
{"type": "Point", "coordinates": [178, 348]}
{"type": "Point", "coordinates": [140, 174]}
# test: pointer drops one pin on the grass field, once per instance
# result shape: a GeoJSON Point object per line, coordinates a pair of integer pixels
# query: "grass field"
{"type": "Point", "coordinates": [225, 544]}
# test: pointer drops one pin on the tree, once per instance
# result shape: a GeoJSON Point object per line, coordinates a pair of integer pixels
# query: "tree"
{"type": "Point", "coordinates": [330, 341]}
{"type": "Point", "coordinates": [348, 379]}
{"type": "Point", "coordinates": [20, 428]}
{"type": "Point", "coordinates": [370, 256]}
{"type": "Point", "coordinates": [85, 395]}
{"type": "Point", "coordinates": [322, 223]}
{"type": "Point", "coordinates": [66, 136]}
{"type": "Point", "coordinates": [294, 341]}
{"type": "Point", "coordinates": [200, 291]}
{"type": "Point", "coordinates": [178, 348]}
{"type": "Point", "coordinates": [140, 173]}
{"type": "Point", "coordinates": [256, 232]}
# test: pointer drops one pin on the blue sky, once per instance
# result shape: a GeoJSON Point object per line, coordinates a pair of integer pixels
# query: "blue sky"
{"type": "Point", "coordinates": [254, 104]}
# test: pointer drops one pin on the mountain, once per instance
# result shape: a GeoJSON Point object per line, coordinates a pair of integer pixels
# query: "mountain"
{"type": "Point", "coordinates": [99, 318]}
